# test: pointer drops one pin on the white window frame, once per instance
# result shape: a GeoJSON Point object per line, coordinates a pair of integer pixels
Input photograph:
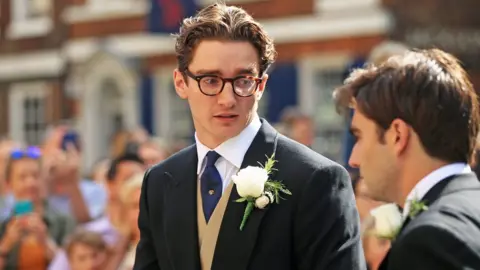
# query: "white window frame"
{"type": "Point", "coordinates": [98, 10]}
{"type": "Point", "coordinates": [309, 67]}
{"type": "Point", "coordinates": [164, 124]}
{"type": "Point", "coordinates": [23, 27]}
{"type": "Point", "coordinates": [322, 6]}
{"type": "Point", "coordinates": [231, 2]}
{"type": "Point", "coordinates": [17, 94]}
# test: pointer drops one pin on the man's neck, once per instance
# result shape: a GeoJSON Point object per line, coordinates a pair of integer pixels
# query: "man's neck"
{"type": "Point", "coordinates": [411, 177]}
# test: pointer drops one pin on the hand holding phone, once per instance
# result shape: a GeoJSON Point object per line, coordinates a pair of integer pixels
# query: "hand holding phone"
{"type": "Point", "coordinates": [22, 208]}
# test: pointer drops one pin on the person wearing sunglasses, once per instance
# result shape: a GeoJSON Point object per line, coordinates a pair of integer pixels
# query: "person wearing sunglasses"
{"type": "Point", "coordinates": [31, 234]}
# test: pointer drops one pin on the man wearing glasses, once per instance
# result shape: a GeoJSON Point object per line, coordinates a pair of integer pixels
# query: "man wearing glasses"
{"type": "Point", "coordinates": [191, 210]}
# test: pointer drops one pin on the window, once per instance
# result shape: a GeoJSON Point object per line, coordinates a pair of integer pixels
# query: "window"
{"type": "Point", "coordinates": [329, 124]}
{"type": "Point", "coordinates": [181, 118]}
{"type": "Point", "coordinates": [342, 5]}
{"type": "Point", "coordinates": [174, 120]}
{"type": "Point", "coordinates": [38, 8]}
{"type": "Point", "coordinates": [27, 112]}
{"type": "Point", "coordinates": [34, 119]}
{"type": "Point", "coordinates": [30, 18]}
{"type": "Point", "coordinates": [318, 77]}
{"type": "Point", "coordinates": [95, 10]}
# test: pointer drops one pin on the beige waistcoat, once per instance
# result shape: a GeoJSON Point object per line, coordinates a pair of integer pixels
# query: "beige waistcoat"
{"type": "Point", "coordinates": [208, 233]}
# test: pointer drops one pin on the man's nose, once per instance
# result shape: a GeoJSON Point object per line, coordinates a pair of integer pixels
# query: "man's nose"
{"type": "Point", "coordinates": [353, 161]}
{"type": "Point", "coordinates": [227, 97]}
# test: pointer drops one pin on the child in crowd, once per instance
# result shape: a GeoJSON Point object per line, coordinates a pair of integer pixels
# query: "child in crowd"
{"type": "Point", "coordinates": [87, 250]}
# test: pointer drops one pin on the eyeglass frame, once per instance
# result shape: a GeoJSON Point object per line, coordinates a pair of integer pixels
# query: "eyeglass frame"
{"type": "Point", "coordinates": [198, 78]}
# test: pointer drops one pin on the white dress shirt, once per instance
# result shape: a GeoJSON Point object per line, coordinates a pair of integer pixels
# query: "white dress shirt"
{"type": "Point", "coordinates": [231, 152]}
{"type": "Point", "coordinates": [433, 178]}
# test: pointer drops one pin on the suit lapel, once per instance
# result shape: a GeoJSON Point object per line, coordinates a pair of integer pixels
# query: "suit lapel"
{"type": "Point", "coordinates": [447, 186]}
{"type": "Point", "coordinates": [234, 247]}
{"type": "Point", "coordinates": [181, 231]}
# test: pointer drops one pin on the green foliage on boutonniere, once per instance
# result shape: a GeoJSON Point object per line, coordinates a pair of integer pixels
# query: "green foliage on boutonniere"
{"type": "Point", "coordinates": [275, 187]}
{"type": "Point", "coordinates": [416, 207]}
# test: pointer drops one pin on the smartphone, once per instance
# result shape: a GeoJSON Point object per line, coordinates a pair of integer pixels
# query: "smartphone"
{"type": "Point", "coordinates": [71, 137]}
{"type": "Point", "coordinates": [23, 208]}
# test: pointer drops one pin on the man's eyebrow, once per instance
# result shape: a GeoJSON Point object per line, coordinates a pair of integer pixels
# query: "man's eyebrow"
{"type": "Point", "coordinates": [249, 71]}
{"type": "Point", "coordinates": [208, 72]}
{"type": "Point", "coordinates": [241, 71]}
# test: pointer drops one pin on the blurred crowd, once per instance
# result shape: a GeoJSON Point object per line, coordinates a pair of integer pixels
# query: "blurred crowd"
{"type": "Point", "coordinates": [54, 217]}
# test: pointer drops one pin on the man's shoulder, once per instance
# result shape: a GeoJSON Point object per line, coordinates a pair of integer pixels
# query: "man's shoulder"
{"type": "Point", "coordinates": [172, 161]}
{"type": "Point", "coordinates": [298, 154]}
{"type": "Point", "coordinates": [455, 217]}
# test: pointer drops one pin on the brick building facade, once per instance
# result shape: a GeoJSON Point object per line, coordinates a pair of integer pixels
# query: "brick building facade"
{"type": "Point", "coordinates": [108, 60]}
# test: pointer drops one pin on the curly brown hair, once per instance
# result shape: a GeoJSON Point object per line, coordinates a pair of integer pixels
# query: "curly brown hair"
{"type": "Point", "coordinates": [219, 21]}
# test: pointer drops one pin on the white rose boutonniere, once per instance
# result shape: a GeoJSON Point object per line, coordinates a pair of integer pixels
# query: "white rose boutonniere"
{"type": "Point", "coordinates": [386, 221]}
{"type": "Point", "coordinates": [250, 181]}
{"type": "Point", "coordinates": [256, 189]}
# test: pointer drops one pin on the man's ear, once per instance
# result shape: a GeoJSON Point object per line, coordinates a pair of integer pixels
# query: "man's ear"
{"type": "Point", "coordinates": [180, 84]}
{"type": "Point", "coordinates": [261, 87]}
{"type": "Point", "coordinates": [399, 135]}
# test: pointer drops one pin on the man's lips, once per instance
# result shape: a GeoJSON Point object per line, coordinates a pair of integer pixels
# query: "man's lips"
{"type": "Point", "coordinates": [226, 115]}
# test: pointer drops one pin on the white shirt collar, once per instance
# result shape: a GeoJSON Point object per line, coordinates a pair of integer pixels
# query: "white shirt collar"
{"type": "Point", "coordinates": [433, 178]}
{"type": "Point", "coordinates": [233, 149]}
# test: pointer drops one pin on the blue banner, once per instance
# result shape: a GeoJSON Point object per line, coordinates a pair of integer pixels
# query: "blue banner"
{"type": "Point", "coordinates": [166, 15]}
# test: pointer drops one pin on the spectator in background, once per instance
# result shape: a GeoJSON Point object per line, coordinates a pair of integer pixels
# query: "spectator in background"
{"type": "Point", "coordinates": [87, 250]}
{"type": "Point", "coordinates": [130, 191]}
{"type": "Point", "coordinates": [68, 192]}
{"type": "Point", "coordinates": [298, 126]}
{"type": "Point", "coordinates": [29, 240]}
{"type": "Point", "coordinates": [153, 151]}
{"type": "Point", "coordinates": [121, 169]}
{"type": "Point", "coordinates": [123, 239]}
{"type": "Point", "coordinates": [99, 171]}
{"type": "Point", "coordinates": [6, 199]}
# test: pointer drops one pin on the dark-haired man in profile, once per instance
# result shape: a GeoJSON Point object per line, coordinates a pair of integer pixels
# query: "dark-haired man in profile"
{"type": "Point", "coordinates": [416, 122]}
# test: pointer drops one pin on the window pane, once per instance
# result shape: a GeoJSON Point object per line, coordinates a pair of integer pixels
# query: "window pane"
{"type": "Point", "coordinates": [34, 120]}
{"type": "Point", "coordinates": [182, 126]}
{"type": "Point", "coordinates": [38, 8]}
{"type": "Point", "coordinates": [329, 124]}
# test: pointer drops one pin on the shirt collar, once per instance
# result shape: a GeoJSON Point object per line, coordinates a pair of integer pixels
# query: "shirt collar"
{"type": "Point", "coordinates": [233, 149]}
{"type": "Point", "coordinates": [433, 178]}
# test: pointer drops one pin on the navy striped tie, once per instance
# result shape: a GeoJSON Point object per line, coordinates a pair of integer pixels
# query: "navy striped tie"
{"type": "Point", "coordinates": [211, 185]}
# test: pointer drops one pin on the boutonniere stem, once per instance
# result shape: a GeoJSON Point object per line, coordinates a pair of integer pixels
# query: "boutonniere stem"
{"type": "Point", "coordinates": [255, 187]}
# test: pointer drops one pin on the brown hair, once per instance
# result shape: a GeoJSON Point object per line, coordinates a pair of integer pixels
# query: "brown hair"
{"type": "Point", "coordinates": [429, 90]}
{"type": "Point", "coordinates": [88, 238]}
{"type": "Point", "coordinates": [219, 21]}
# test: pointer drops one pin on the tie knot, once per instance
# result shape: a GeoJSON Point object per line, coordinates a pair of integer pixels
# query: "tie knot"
{"type": "Point", "coordinates": [212, 157]}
